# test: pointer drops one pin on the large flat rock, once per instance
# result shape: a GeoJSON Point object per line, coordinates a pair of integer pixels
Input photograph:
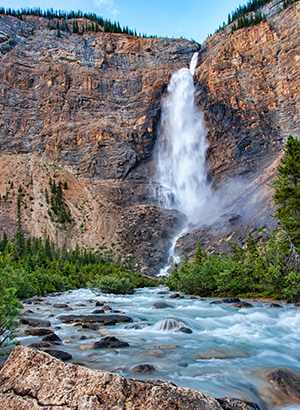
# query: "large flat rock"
{"type": "Point", "coordinates": [32, 380]}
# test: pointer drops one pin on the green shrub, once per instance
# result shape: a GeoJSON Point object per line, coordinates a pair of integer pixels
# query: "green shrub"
{"type": "Point", "coordinates": [114, 284]}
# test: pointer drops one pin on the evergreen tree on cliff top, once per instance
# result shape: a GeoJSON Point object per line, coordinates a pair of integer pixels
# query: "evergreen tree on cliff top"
{"type": "Point", "coordinates": [287, 195]}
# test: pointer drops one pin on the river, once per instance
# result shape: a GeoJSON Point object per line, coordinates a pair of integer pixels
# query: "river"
{"type": "Point", "coordinates": [227, 354]}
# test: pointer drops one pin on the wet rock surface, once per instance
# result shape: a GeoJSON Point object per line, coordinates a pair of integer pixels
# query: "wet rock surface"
{"type": "Point", "coordinates": [229, 403]}
{"type": "Point", "coordinates": [107, 320]}
{"type": "Point", "coordinates": [143, 368]}
{"type": "Point", "coordinates": [38, 332]}
{"type": "Point", "coordinates": [161, 305]}
{"type": "Point", "coordinates": [110, 342]}
{"type": "Point", "coordinates": [34, 322]}
{"type": "Point", "coordinates": [59, 354]}
{"type": "Point", "coordinates": [286, 383]}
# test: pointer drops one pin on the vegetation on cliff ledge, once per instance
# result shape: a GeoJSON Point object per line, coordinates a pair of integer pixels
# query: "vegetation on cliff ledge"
{"type": "Point", "coordinates": [97, 23]}
{"type": "Point", "coordinates": [270, 266]}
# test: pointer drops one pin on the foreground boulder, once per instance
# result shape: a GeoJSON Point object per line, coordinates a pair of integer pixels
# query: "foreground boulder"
{"type": "Point", "coordinates": [33, 380]}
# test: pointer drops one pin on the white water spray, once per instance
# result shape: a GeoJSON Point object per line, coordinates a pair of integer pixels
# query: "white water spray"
{"type": "Point", "coordinates": [181, 151]}
{"type": "Point", "coordinates": [182, 148]}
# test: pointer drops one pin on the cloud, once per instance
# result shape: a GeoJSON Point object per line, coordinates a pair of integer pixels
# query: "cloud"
{"type": "Point", "coordinates": [109, 6]}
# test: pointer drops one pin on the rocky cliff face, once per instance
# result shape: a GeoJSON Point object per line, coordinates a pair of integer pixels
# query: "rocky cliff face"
{"type": "Point", "coordinates": [248, 85]}
{"type": "Point", "coordinates": [85, 110]}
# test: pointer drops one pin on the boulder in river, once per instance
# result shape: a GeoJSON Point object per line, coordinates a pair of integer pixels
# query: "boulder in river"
{"type": "Point", "coordinates": [38, 332]}
{"type": "Point", "coordinates": [53, 338]}
{"type": "Point", "coordinates": [106, 320]}
{"type": "Point", "coordinates": [175, 296]}
{"type": "Point", "coordinates": [242, 304]}
{"type": "Point", "coordinates": [40, 345]}
{"type": "Point", "coordinates": [59, 354]}
{"type": "Point", "coordinates": [286, 383]}
{"type": "Point", "coordinates": [275, 305]}
{"type": "Point", "coordinates": [231, 300]}
{"type": "Point", "coordinates": [184, 329]}
{"type": "Point", "coordinates": [60, 305]}
{"type": "Point", "coordinates": [143, 368]}
{"type": "Point", "coordinates": [110, 342]}
{"type": "Point", "coordinates": [31, 379]}
{"type": "Point", "coordinates": [161, 305]}
{"type": "Point", "coordinates": [230, 403]}
{"type": "Point", "coordinates": [34, 322]}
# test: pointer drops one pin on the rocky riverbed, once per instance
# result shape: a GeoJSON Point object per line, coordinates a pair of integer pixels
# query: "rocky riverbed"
{"type": "Point", "coordinates": [230, 347]}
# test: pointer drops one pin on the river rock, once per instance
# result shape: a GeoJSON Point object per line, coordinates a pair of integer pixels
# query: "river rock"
{"type": "Point", "coordinates": [99, 303]}
{"type": "Point", "coordinates": [139, 325]}
{"type": "Point", "coordinates": [40, 345]}
{"type": "Point", "coordinates": [106, 307]}
{"type": "Point", "coordinates": [34, 322]}
{"type": "Point", "coordinates": [285, 382]}
{"type": "Point", "coordinates": [175, 296]}
{"type": "Point", "coordinates": [275, 305]}
{"type": "Point", "coordinates": [28, 312]}
{"type": "Point", "coordinates": [33, 380]}
{"type": "Point", "coordinates": [161, 305]}
{"type": "Point", "coordinates": [98, 312]}
{"type": "Point", "coordinates": [38, 332]}
{"type": "Point", "coordinates": [231, 300]}
{"type": "Point", "coordinates": [92, 326]}
{"type": "Point", "coordinates": [230, 403]}
{"type": "Point", "coordinates": [52, 338]}
{"type": "Point", "coordinates": [184, 329]}
{"type": "Point", "coordinates": [242, 304]}
{"type": "Point", "coordinates": [143, 368]}
{"type": "Point", "coordinates": [106, 320]}
{"type": "Point", "coordinates": [110, 342]}
{"type": "Point", "coordinates": [59, 354]}
{"type": "Point", "coordinates": [60, 305]}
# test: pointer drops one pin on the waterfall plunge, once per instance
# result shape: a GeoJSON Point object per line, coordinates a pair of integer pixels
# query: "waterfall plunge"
{"type": "Point", "coordinates": [181, 153]}
{"type": "Point", "coordinates": [182, 148]}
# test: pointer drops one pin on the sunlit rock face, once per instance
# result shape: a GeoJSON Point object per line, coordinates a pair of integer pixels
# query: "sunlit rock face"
{"type": "Point", "coordinates": [86, 109]}
{"type": "Point", "coordinates": [248, 85]}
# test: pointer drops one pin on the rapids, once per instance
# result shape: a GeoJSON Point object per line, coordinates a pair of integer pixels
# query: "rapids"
{"type": "Point", "coordinates": [227, 354]}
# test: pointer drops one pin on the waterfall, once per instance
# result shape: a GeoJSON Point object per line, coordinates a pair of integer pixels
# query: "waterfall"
{"type": "Point", "coordinates": [181, 153]}
{"type": "Point", "coordinates": [182, 148]}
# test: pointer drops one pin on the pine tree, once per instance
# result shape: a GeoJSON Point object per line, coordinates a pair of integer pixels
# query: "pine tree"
{"type": "Point", "coordinates": [287, 194]}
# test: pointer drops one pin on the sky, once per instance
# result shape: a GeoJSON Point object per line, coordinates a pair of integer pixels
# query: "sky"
{"type": "Point", "coordinates": [191, 19]}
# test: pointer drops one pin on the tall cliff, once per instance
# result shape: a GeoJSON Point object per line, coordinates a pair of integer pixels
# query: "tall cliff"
{"type": "Point", "coordinates": [85, 109]}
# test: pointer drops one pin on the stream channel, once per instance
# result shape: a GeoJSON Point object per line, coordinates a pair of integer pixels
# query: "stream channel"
{"type": "Point", "coordinates": [228, 353]}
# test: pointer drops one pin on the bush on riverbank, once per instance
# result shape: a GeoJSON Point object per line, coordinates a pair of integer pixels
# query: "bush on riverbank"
{"type": "Point", "coordinates": [37, 266]}
{"type": "Point", "coordinates": [267, 268]}
{"type": "Point", "coordinates": [270, 266]}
